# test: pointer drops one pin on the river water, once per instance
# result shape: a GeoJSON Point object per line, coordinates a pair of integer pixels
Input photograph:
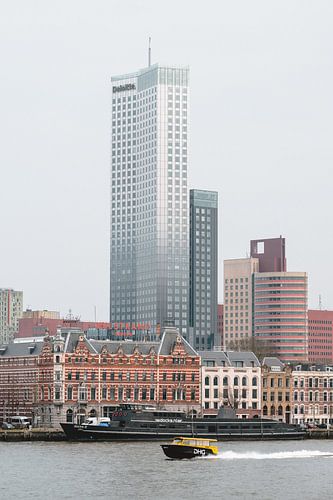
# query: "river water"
{"type": "Point", "coordinates": [242, 470]}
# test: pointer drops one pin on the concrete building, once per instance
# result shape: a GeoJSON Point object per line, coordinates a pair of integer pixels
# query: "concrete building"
{"type": "Point", "coordinates": [313, 394]}
{"type": "Point", "coordinates": [69, 377]}
{"type": "Point", "coordinates": [277, 383]}
{"type": "Point", "coordinates": [149, 198]}
{"type": "Point", "coordinates": [29, 313]}
{"type": "Point", "coordinates": [320, 325]}
{"type": "Point", "coordinates": [238, 298]}
{"type": "Point", "coordinates": [280, 314]}
{"type": "Point", "coordinates": [11, 307]}
{"type": "Point", "coordinates": [203, 269]}
{"type": "Point", "coordinates": [271, 253]}
{"type": "Point", "coordinates": [231, 379]}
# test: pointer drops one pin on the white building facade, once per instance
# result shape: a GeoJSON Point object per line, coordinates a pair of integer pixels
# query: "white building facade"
{"type": "Point", "coordinates": [149, 198]}
{"type": "Point", "coordinates": [231, 379]}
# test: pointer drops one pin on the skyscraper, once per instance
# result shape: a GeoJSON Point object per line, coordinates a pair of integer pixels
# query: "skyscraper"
{"type": "Point", "coordinates": [11, 307]}
{"type": "Point", "coordinates": [203, 269]}
{"type": "Point", "coordinates": [280, 314]}
{"type": "Point", "coordinates": [149, 198]}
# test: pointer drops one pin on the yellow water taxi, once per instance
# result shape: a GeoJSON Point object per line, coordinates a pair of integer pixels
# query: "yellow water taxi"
{"type": "Point", "coordinates": [182, 447]}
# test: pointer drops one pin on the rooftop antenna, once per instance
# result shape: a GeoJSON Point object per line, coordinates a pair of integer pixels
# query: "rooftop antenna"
{"type": "Point", "coordinates": [149, 53]}
{"type": "Point", "coordinates": [320, 303]}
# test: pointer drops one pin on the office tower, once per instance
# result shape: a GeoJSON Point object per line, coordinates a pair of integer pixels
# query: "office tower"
{"type": "Point", "coordinates": [203, 268]}
{"type": "Point", "coordinates": [238, 298]}
{"type": "Point", "coordinates": [11, 306]}
{"type": "Point", "coordinates": [149, 198]}
{"type": "Point", "coordinates": [320, 325]}
{"type": "Point", "coordinates": [280, 314]}
{"type": "Point", "coordinates": [271, 253]}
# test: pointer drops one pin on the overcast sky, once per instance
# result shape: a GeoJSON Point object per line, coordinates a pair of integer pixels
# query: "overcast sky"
{"type": "Point", "coordinates": [261, 132]}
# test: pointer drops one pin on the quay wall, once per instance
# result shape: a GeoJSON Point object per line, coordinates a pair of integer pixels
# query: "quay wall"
{"type": "Point", "coordinates": [32, 435]}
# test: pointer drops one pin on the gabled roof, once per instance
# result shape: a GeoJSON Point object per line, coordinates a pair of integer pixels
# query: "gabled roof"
{"type": "Point", "coordinates": [21, 349]}
{"type": "Point", "coordinates": [217, 358]}
{"type": "Point", "coordinates": [230, 358]}
{"type": "Point", "coordinates": [272, 361]}
{"type": "Point", "coordinates": [170, 338]}
{"type": "Point", "coordinates": [248, 358]}
{"type": "Point", "coordinates": [128, 347]}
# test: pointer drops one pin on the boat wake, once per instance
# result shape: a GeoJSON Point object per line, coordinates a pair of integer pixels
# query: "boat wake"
{"type": "Point", "coordinates": [279, 455]}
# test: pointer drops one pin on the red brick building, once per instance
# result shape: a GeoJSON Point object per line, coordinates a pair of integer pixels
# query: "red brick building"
{"type": "Point", "coordinates": [19, 375]}
{"type": "Point", "coordinates": [320, 325]}
{"type": "Point", "coordinates": [75, 377]}
{"type": "Point", "coordinates": [36, 326]}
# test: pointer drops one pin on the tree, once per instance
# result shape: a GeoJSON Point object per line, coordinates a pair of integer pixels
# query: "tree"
{"type": "Point", "coordinates": [259, 347]}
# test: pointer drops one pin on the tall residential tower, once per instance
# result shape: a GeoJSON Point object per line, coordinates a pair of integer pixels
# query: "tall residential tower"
{"type": "Point", "coordinates": [149, 198]}
{"type": "Point", "coordinates": [11, 307]}
{"type": "Point", "coordinates": [203, 269]}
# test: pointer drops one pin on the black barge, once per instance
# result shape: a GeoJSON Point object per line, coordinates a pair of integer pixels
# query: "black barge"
{"type": "Point", "coordinates": [131, 423]}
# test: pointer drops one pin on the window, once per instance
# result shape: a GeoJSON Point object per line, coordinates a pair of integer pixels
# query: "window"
{"type": "Point", "coordinates": [254, 381]}
{"type": "Point", "coordinates": [69, 416]}
{"type": "Point", "coordinates": [69, 392]}
{"type": "Point", "coordinates": [206, 380]}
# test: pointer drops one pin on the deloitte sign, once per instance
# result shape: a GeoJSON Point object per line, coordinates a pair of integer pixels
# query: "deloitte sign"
{"type": "Point", "coordinates": [122, 88]}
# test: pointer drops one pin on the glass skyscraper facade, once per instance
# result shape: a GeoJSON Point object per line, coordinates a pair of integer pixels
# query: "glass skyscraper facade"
{"type": "Point", "coordinates": [149, 198]}
{"type": "Point", "coordinates": [203, 269]}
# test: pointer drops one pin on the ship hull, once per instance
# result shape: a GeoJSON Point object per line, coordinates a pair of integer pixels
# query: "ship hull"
{"type": "Point", "coordinates": [184, 452]}
{"type": "Point", "coordinates": [75, 432]}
